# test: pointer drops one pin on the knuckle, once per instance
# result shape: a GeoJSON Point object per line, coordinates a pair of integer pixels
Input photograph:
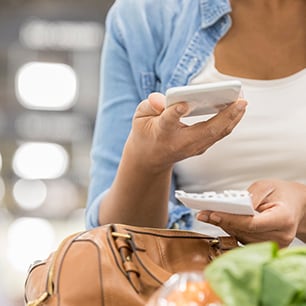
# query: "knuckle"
{"type": "Point", "coordinates": [165, 123]}
{"type": "Point", "coordinates": [211, 131]}
{"type": "Point", "coordinates": [286, 239]}
{"type": "Point", "coordinates": [256, 184]}
{"type": "Point", "coordinates": [226, 131]}
{"type": "Point", "coordinates": [289, 222]}
{"type": "Point", "coordinates": [233, 114]}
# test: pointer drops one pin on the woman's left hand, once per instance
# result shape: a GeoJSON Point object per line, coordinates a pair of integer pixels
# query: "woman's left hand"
{"type": "Point", "coordinates": [281, 207]}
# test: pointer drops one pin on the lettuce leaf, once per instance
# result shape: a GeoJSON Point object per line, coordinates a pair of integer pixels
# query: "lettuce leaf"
{"type": "Point", "coordinates": [237, 275]}
{"type": "Point", "coordinates": [284, 279]}
{"type": "Point", "coordinates": [260, 275]}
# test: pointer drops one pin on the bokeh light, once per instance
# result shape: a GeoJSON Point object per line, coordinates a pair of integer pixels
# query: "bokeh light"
{"type": "Point", "coordinates": [29, 239]}
{"type": "Point", "coordinates": [29, 194]}
{"type": "Point", "coordinates": [40, 160]}
{"type": "Point", "coordinates": [46, 86]}
{"type": "Point", "coordinates": [62, 35]}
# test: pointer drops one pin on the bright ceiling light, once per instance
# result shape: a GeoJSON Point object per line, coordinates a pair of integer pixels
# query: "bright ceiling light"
{"type": "Point", "coordinates": [29, 239]}
{"type": "Point", "coordinates": [46, 86]}
{"type": "Point", "coordinates": [61, 35]}
{"type": "Point", "coordinates": [29, 194]}
{"type": "Point", "coordinates": [40, 161]}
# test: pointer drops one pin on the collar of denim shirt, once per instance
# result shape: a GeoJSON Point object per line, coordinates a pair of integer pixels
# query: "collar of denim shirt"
{"type": "Point", "coordinates": [212, 10]}
{"type": "Point", "coordinates": [213, 24]}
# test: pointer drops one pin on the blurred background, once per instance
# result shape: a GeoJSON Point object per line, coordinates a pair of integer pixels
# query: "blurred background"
{"type": "Point", "coordinates": [49, 82]}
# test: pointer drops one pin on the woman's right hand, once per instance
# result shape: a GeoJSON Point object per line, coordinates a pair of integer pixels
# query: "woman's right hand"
{"type": "Point", "coordinates": [158, 138]}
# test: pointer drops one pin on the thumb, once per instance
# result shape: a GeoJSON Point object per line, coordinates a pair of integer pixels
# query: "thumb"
{"type": "Point", "coordinates": [170, 118]}
{"type": "Point", "coordinates": [157, 101]}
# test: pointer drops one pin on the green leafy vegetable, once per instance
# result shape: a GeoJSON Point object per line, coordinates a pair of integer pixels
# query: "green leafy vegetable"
{"type": "Point", "coordinates": [284, 279]}
{"type": "Point", "coordinates": [260, 275]}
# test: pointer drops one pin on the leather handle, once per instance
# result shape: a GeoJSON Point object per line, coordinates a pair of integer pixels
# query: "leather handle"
{"type": "Point", "coordinates": [216, 247]}
{"type": "Point", "coordinates": [127, 251]}
{"type": "Point", "coordinates": [137, 252]}
{"type": "Point", "coordinates": [156, 272]}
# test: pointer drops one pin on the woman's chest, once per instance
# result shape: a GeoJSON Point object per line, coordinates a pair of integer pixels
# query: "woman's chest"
{"type": "Point", "coordinates": [270, 141]}
{"type": "Point", "coordinates": [263, 46]}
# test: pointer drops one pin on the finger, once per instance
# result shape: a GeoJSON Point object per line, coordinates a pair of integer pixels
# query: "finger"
{"type": "Point", "coordinates": [170, 118]}
{"type": "Point", "coordinates": [259, 192]}
{"type": "Point", "coordinates": [269, 220]}
{"type": "Point", "coordinates": [240, 228]}
{"type": "Point", "coordinates": [246, 238]}
{"type": "Point", "coordinates": [153, 106]}
{"type": "Point", "coordinates": [226, 221]}
{"type": "Point", "coordinates": [282, 238]}
{"type": "Point", "coordinates": [230, 116]}
{"type": "Point", "coordinates": [144, 109]}
{"type": "Point", "coordinates": [221, 124]}
{"type": "Point", "coordinates": [157, 101]}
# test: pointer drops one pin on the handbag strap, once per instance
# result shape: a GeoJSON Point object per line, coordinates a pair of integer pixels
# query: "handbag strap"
{"type": "Point", "coordinates": [129, 250]}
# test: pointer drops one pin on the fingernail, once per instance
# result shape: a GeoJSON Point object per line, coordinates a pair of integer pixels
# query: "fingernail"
{"type": "Point", "coordinates": [203, 218]}
{"type": "Point", "coordinates": [215, 218]}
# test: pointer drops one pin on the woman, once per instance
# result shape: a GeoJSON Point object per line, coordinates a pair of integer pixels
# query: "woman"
{"type": "Point", "coordinates": [138, 162]}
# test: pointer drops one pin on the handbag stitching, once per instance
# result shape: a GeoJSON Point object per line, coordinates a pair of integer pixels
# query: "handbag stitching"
{"type": "Point", "coordinates": [162, 254]}
{"type": "Point", "coordinates": [31, 269]}
{"type": "Point", "coordinates": [189, 235]}
{"type": "Point", "coordinates": [56, 288]}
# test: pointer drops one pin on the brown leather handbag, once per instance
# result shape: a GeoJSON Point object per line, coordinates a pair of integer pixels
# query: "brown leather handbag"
{"type": "Point", "coordinates": [118, 265]}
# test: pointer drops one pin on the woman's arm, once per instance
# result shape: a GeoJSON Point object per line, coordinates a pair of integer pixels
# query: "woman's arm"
{"type": "Point", "coordinates": [140, 192]}
{"type": "Point", "coordinates": [130, 172]}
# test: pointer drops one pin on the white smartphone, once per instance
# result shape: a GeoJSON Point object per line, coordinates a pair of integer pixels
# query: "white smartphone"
{"type": "Point", "coordinates": [205, 99]}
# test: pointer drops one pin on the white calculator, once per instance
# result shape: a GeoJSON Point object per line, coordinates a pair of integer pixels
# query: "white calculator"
{"type": "Point", "coordinates": [230, 201]}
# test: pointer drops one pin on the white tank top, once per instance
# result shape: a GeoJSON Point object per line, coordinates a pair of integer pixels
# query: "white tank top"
{"type": "Point", "coordinates": [269, 142]}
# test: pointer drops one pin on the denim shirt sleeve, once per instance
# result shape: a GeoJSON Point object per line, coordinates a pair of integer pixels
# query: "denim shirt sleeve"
{"type": "Point", "coordinates": [117, 103]}
{"type": "Point", "coordinates": [132, 66]}
{"type": "Point", "coordinates": [124, 84]}
{"type": "Point", "coordinates": [180, 216]}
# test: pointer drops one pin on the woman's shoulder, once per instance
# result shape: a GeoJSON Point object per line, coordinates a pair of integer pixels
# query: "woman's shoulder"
{"type": "Point", "coordinates": [152, 11]}
{"type": "Point", "coordinates": [147, 6]}
{"type": "Point", "coordinates": [150, 20]}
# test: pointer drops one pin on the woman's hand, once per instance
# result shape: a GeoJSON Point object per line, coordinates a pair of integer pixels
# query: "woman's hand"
{"type": "Point", "coordinates": [139, 194]}
{"type": "Point", "coordinates": [158, 139]}
{"type": "Point", "coordinates": [281, 207]}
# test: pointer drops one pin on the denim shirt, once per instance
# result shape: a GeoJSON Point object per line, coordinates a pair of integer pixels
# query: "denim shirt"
{"type": "Point", "coordinates": [149, 45]}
